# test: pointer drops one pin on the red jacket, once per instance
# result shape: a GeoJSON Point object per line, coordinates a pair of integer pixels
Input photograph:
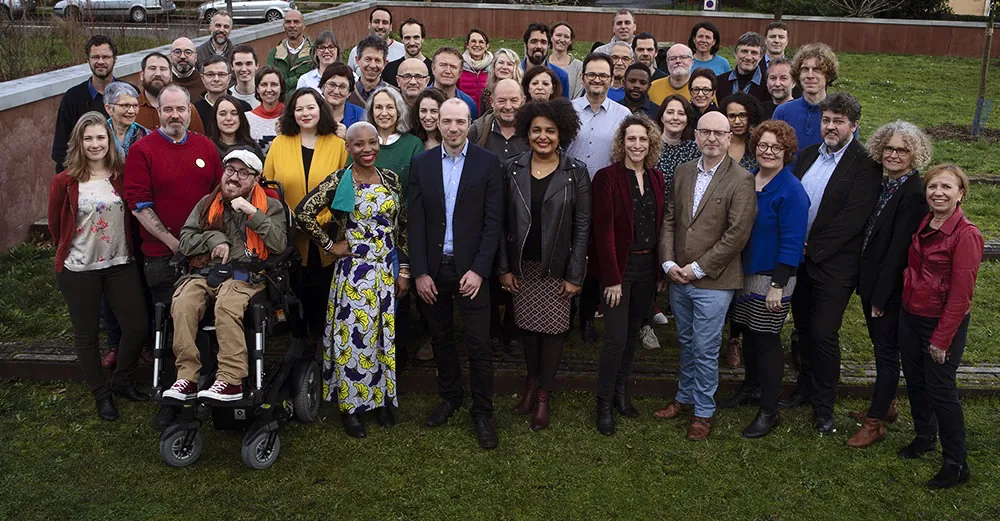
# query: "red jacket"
{"type": "Point", "coordinates": [941, 274]}
{"type": "Point", "coordinates": [614, 224]}
{"type": "Point", "coordinates": [472, 83]}
{"type": "Point", "coordinates": [64, 193]}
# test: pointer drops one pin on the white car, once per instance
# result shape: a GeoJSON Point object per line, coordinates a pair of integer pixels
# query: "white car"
{"type": "Point", "coordinates": [244, 10]}
{"type": "Point", "coordinates": [14, 9]}
{"type": "Point", "coordinates": [137, 11]}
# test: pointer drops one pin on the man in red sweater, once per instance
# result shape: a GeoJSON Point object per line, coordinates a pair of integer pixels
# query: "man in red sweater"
{"type": "Point", "coordinates": [166, 174]}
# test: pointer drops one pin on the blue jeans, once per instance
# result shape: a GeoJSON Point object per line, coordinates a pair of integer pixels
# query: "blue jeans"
{"type": "Point", "coordinates": [699, 315]}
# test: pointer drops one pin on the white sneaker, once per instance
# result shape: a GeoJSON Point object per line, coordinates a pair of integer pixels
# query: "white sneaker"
{"type": "Point", "coordinates": [648, 337]}
{"type": "Point", "coordinates": [660, 319]}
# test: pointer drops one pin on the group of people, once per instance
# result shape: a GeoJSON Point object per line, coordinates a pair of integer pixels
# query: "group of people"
{"type": "Point", "coordinates": [745, 192]}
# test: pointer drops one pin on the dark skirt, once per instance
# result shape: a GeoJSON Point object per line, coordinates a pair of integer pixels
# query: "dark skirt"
{"type": "Point", "coordinates": [538, 307]}
{"type": "Point", "coordinates": [749, 306]}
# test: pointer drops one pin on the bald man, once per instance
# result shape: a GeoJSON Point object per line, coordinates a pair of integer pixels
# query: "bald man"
{"type": "Point", "coordinates": [184, 66]}
{"type": "Point", "coordinates": [452, 246]}
{"type": "Point", "coordinates": [680, 59]}
{"type": "Point", "coordinates": [412, 77]}
{"type": "Point", "coordinates": [293, 55]}
{"type": "Point", "coordinates": [710, 213]}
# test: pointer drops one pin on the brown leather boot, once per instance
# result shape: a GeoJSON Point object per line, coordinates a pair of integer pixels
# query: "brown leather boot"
{"type": "Point", "coordinates": [672, 410]}
{"type": "Point", "coordinates": [734, 353]}
{"type": "Point", "coordinates": [890, 417]}
{"type": "Point", "coordinates": [528, 399]}
{"type": "Point", "coordinates": [541, 418]}
{"type": "Point", "coordinates": [699, 429]}
{"type": "Point", "coordinates": [871, 432]}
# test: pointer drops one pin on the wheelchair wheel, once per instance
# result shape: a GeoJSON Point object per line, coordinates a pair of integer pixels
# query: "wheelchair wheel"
{"type": "Point", "coordinates": [179, 451]}
{"type": "Point", "coordinates": [309, 382]}
{"type": "Point", "coordinates": [255, 454]}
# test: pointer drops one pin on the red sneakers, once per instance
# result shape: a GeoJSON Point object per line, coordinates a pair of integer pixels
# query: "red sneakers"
{"type": "Point", "coordinates": [223, 392]}
{"type": "Point", "coordinates": [182, 390]}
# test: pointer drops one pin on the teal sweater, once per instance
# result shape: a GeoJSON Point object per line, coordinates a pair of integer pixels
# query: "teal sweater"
{"type": "Point", "coordinates": [397, 156]}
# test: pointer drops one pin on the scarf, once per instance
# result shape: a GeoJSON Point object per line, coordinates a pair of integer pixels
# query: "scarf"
{"type": "Point", "coordinates": [257, 198]}
{"type": "Point", "coordinates": [269, 114]}
{"type": "Point", "coordinates": [477, 65]}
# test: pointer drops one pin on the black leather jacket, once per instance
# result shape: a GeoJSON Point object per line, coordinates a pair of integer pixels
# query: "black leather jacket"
{"type": "Point", "coordinates": [565, 219]}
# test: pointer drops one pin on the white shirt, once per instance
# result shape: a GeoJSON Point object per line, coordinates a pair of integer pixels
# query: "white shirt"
{"type": "Point", "coordinates": [310, 79]}
{"type": "Point", "coordinates": [396, 51]}
{"type": "Point", "coordinates": [818, 176]}
{"type": "Point", "coordinates": [249, 98]}
{"type": "Point", "coordinates": [597, 130]}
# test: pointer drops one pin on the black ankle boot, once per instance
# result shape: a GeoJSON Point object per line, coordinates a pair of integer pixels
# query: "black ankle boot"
{"type": "Point", "coordinates": [385, 417]}
{"type": "Point", "coordinates": [917, 448]}
{"type": "Point", "coordinates": [605, 418]}
{"type": "Point", "coordinates": [743, 396]}
{"type": "Point", "coordinates": [762, 425]}
{"type": "Point", "coordinates": [354, 426]}
{"type": "Point", "coordinates": [951, 474]}
{"type": "Point", "coordinates": [106, 409]}
{"type": "Point", "coordinates": [623, 403]}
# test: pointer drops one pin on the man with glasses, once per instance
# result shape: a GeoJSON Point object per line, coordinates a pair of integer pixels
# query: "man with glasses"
{"type": "Point", "coordinates": [244, 66]}
{"type": "Point", "coordinates": [622, 58]}
{"type": "Point", "coordinates": [215, 75]}
{"type": "Point", "coordinates": [599, 120]}
{"type": "Point", "coordinates": [679, 61]}
{"type": "Point", "coordinates": [412, 33]}
{"type": "Point", "coordinates": [747, 77]}
{"type": "Point", "coordinates": [536, 51]}
{"type": "Point", "coordinates": [412, 77]}
{"type": "Point", "coordinates": [219, 44]}
{"type": "Point", "coordinates": [184, 66]}
{"type": "Point", "coordinates": [371, 61]}
{"type": "Point", "coordinates": [86, 96]}
{"type": "Point", "coordinates": [379, 25]}
{"type": "Point", "coordinates": [644, 48]}
{"type": "Point", "coordinates": [292, 57]}
{"type": "Point", "coordinates": [154, 76]}
{"type": "Point", "coordinates": [710, 213]}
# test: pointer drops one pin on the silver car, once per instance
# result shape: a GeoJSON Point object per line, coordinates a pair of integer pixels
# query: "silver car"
{"type": "Point", "coordinates": [14, 9]}
{"type": "Point", "coordinates": [244, 10]}
{"type": "Point", "coordinates": [137, 11]}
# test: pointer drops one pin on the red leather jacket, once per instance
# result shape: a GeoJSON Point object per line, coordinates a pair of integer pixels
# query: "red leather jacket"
{"type": "Point", "coordinates": [941, 274]}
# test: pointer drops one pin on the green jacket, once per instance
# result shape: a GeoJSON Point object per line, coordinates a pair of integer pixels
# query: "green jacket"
{"type": "Point", "coordinates": [278, 58]}
{"type": "Point", "coordinates": [269, 225]}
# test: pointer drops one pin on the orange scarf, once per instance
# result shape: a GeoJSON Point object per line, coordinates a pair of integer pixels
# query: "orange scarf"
{"type": "Point", "coordinates": [257, 198]}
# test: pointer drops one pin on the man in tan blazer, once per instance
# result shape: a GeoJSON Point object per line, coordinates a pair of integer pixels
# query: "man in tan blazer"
{"type": "Point", "coordinates": [710, 213]}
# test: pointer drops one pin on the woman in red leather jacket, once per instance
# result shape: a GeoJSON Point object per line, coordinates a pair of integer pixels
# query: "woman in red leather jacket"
{"type": "Point", "coordinates": [938, 284]}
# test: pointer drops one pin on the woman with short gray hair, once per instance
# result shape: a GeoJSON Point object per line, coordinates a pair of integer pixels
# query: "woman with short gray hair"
{"type": "Point", "coordinates": [121, 102]}
{"type": "Point", "coordinates": [390, 115]}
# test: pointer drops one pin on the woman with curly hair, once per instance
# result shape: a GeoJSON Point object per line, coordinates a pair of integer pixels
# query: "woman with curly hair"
{"type": "Point", "coordinates": [743, 113]}
{"type": "Point", "coordinates": [628, 207]}
{"type": "Point", "coordinates": [542, 260]}
{"type": "Point", "coordinates": [541, 84]}
{"type": "Point", "coordinates": [903, 149]}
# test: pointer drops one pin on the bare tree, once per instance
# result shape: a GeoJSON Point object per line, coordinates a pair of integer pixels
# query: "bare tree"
{"type": "Point", "coordinates": [865, 8]}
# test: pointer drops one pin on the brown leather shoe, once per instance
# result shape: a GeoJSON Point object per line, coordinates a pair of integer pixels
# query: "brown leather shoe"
{"type": "Point", "coordinates": [734, 353]}
{"type": "Point", "coordinates": [699, 429]}
{"type": "Point", "coordinates": [540, 420]}
{"type": "Point", "coordinates": [528, 398]}
{"type": "Point", "coordinates": [862, 415]}
{"type": "Point", "coordinates": [871, 432]}
{"type": "Point", "coordinates": [672, 410]}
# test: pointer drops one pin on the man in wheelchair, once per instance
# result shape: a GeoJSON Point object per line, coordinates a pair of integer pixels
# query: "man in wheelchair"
{"type": "Point", "coordinates": [235, 223]}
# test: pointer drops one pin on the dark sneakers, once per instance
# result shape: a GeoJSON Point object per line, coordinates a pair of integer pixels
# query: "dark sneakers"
{"type": "Point", "coordinates": [951, 474]}
{"type": "Point", "coordinates": [106, 409]}
{"type": "Point", "coordinates": [182, 390]}
{"type": "Point", "coordinates": [485, 432]}
{"type": "Point", "coordinates": [222, 392]}
{"type": "Point", "coordinates": [440, 415]}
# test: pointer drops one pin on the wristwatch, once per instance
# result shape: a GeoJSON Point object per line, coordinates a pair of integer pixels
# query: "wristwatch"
{"type": "Point", "coordinates": [775, 285]}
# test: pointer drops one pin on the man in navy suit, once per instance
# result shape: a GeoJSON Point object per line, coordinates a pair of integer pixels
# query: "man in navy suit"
{"type": "Point", "coordinates": [455, 221]}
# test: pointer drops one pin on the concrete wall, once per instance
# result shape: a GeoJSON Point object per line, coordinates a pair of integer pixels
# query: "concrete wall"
{"type": "Point", "coordinates": [28, 106]}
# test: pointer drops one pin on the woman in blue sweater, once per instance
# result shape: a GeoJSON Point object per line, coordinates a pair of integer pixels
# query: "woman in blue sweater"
{"type": "Point", "coordinates": [770, 260]}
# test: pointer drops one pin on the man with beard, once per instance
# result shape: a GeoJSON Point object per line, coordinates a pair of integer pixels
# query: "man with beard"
{"type": "Point", "coordinates": [780, 85]}
{"type": "Point", "coordinates": [636, 89]}
{"type": "Point", "coordinates": [447, 66]}
{"type": "Point", "coordinates": [679, 61]}
{"type": "Point", "coordinates": [244, 66]}
{"type": "Point", "coordinates": [237, 217]}
{"type": "Point", "coordinates": [215, 74]}
{"type": "Point", "coordinates": [85, 97]}
{"type": "Point", "coordinates": [166, 174]}
{"type": "Point", "coordinates": [219, 44]}
{"type": "Point", "coordinates": [622, 57]}
{"type": "Point", "coordinates": [184, 66]}
{"type": "Point", "coordinates": [412, 77]}
{"type": "Point", "coordinates": [747, 76]}
{"type": "Point", "coordinates": [623, 27]}
{"type": "Point", "coordinates": [412, 32]}
{"type": "Point", "coordinates": [536, 50]}
{"type": "Point", "coordinates": [154, 76]}
{"type": "Point", "coordinates": [380, 25]}
{"type": "Point", "coordinates": [293, 55]}
{"type": "Point", "coordinates": [843, 185]}
{"type": "Point", "coordinates": [644, 48]}
{"type": "Point", "coordinates": [371, 61]}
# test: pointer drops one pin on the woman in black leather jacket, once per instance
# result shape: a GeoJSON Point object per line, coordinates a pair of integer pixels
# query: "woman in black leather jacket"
{"type": "Point", "coordinates": [544, 250]}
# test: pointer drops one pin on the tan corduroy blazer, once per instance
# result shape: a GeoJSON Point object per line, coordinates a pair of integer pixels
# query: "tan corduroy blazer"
{"type": "Point", "coordinates": [720, 228]}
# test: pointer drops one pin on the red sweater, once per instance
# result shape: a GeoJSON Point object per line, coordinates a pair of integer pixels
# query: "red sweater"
{"type": "Point", "coordinates": [171, 176]}
{"type": "Point", "coordinates": [64, 195]}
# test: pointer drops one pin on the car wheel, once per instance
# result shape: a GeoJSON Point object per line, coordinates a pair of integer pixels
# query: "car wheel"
{"type": "Point", "coordinates": [273, 15]}
{"type": "Point", "coordinates": [208, 15]}
{"type": "Point", "coordinates": [137, 15]}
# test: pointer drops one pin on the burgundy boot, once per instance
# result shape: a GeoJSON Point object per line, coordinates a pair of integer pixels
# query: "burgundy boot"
{"type": "Point", "coordinates": [541, 418]}
{"type": "Point", "coordinates": [528, 399]}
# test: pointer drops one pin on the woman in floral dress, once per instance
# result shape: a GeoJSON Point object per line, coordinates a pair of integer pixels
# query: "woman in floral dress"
{"type": "Point", "coordinates": [369, 219]}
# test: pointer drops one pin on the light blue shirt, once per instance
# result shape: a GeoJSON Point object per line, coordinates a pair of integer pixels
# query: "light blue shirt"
{"type": "Point", "coordinates": [818, 176]}
{"type": "Point", "coordinates": [597, 130]}
{"type": "Point", "coordinates": [717, 64]}
{"type": "Point", "coordinates": [451, 176]}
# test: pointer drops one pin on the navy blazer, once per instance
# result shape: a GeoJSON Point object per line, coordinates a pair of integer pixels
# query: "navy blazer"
{"type": "Point", "coordinates": [478, 219]}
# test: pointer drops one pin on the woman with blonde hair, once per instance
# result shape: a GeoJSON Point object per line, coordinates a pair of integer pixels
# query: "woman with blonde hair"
{"type": "Point", "coordinates": [89, 222]}
{"type": "Point", "coordinates": [505, 66]}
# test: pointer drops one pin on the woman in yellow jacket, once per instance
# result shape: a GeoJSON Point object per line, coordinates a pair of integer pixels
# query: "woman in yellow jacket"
{"type": "Point", "coordinates": [305, 152]}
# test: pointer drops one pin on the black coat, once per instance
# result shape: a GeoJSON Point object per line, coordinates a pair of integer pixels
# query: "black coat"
{"type": "Point", "coordinates": [565, 219]}
{"type": "Point", "coordinates": [478, 219]}
{"type": "Point", "coordinates": [74, 104]}
{"type": "Point", "coordinates": [833, 247]}
{"type": "Point", "coordinates": [883, 261]}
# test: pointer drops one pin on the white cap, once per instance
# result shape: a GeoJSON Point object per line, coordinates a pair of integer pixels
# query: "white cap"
{"type": "Point", "coordinates": [249, 158]}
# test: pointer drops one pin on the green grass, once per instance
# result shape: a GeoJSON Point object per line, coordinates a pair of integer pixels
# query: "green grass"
{"type": "Point", "coordinates": [61, 462]}
{"type": "Point", "coordinates": [31, 307]}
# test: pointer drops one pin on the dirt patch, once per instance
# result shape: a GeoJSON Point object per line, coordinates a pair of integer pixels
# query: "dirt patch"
{"type": "Point", "coordinates": [962, 133]}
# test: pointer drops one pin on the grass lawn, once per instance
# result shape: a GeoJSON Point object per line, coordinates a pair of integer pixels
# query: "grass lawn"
{"type": "Point", "coordinates": [63, 463]}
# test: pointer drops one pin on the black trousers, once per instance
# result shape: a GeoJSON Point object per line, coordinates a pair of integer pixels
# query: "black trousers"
{"type": "Point", "coordinates": [403, 333]}
{"type": "Point", "coordinates": [83, 292]}
{"type": "Point", "coordinates": [884, 332]}
{"type": "Point", "coordinates": [765, 365]}
{"type": "Point", "coordinates": [931, 386]}
{"type": "Point", "coordinates": [622, 323]}
{"type": "Point", "coordinates": [501, 325]}
{"type": "Point", "coordinates": [312, 287]}
{"type": "Point", "coordinates": [475, 315]}
{"type": "Point", "coordinates": [590, 298]}
{"type": "Point", "coordinates": [818, 309]}
{"type": "Point", "coordinates": [161, 278]}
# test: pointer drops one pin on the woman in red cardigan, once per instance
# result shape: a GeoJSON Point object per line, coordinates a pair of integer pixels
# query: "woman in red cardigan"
{"type": "Point", "coordinates": [628, 208]}
{"type": "Point", "coordinates": [938, 284]}
{"type": "Point", "coordinates": [88, 220]}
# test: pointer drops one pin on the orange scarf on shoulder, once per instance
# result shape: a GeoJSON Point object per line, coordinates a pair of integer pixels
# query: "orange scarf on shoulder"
{"type": "Point", "coordinates": [259, 200]}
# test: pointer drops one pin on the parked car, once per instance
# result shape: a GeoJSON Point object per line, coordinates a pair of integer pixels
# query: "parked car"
{"type": "Point", "coordinates": [137, 11]}
{"type": "Point", "coordinates": [14, 9]}
{"type": "Point", "coordinates": [253, 10]}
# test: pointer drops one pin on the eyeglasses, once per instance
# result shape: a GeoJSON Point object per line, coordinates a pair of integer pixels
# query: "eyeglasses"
{"type": "Point", "coordinates": [337, 86]}
{"type": "Point", "coordinates": [774, 149]}
{"type": "Point", "coordinates": [214, 75]}
{"type": "Point", "coordinates": [719, 134]}
{"type": "Point", "coordinates": [242, 174]}
{"type": "Point", "coordinates": [900, 152]}
{"type": "Point", "coordinates": [326, 48]}
{"type": "Point", "coordinates": [621, 59]}
{"type": "Point", "coordinates": [702, 90]}
{"type": "Point", "coordinates": [679, 58]}
{"type": "Point", "coordinates": [186, 52]}
{"type": "Point", "coordinates": [408, 77]}
{"type": "Point", "coordinates": [742, 115]}
{"type": "Point", "coordinates": [597, 76]}
{"type": "Point", "coordinates": [127, 106]}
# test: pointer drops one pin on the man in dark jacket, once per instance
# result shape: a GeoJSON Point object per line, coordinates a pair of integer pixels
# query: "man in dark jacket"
{"type": "Point", "coordinates": [85, 97]}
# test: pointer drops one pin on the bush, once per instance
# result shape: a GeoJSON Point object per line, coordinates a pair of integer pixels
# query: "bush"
{"type": "Point", "coordinates": [794, 7]}
{"type": "Point", "coordinates": [920, 10]}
